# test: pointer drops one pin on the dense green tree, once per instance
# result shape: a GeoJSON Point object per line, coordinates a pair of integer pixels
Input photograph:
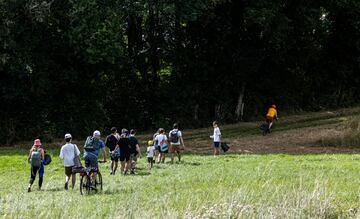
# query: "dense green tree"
{"type": "Point", "coordinates": [75, 66]}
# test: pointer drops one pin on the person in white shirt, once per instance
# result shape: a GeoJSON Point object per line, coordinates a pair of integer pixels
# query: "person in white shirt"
{"type": "Point", "coordinates": [217, 138]}
{"type": "Point", "coordinates": [176, 140]}
{"type": "Point", "coordinates": [162, 144]}
{"type": "Point", "coordinates": [150, 151]}
{"type": "Point", "coordinates": [69, 152]}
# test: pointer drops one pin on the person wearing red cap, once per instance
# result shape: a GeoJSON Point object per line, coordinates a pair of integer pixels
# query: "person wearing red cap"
{"type": "Point", "coordinates": [36, 157]}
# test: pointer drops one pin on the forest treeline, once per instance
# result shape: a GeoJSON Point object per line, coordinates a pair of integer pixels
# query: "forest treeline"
{"type": "Point", "coordinates": [80, 65]}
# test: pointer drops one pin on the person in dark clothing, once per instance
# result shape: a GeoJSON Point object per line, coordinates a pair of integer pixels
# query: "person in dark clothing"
{"type": "Point", "coordinates": [124, 145]}
{"type": "Point", "coordinates": [134, 150]}
{"type": "Point", "coordinates": [112, 143]}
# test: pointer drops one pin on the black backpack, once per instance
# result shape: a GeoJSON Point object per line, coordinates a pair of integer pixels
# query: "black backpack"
{"type": "Point", "coordinates": [224, 146]}
{"type": "Point", "coordinates": [91, 143]}
{"type": "Point", "coordinates": [174, 137]}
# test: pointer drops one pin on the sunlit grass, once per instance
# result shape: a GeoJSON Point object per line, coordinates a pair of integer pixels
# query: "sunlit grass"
{"type": "Point", "coordinates": [231, 186]}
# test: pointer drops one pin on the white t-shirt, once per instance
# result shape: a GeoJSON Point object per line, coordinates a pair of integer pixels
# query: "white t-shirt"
{"type": "Point", "coordinates": [150, 151]}
{"type": "Point", "coordinates": [179, 134]}
{"type": "Point", "coordinates": [217, 134]}
{"type": "Point", "coordinates": [67, 153]}
{"type": "Point", "coordinates": [160, 139]}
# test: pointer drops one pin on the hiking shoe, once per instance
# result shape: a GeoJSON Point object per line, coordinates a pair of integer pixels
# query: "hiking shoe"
{"type": "Point", "coordinates": [111, 173]}
{"type": "Point", "coordinates": [66, 186]}
{"type": "Point", "coordinates": [29, 189]}
{"type": "Point", "coordinates": [132, 172]}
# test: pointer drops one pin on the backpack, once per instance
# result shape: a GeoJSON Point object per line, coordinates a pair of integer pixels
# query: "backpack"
{"type": "Point", "coordinates": [174, 137]}
{"type": "Point", "coordinates": [224, 146]}
{"type": "Point", "coordinates": [91, 143]}
{"type": "Point", "coordinates": [47, 159]}
{"type": "Point", "coordinates": [163, 145]}
{"type": "Point", "coordinates": [35, 158]}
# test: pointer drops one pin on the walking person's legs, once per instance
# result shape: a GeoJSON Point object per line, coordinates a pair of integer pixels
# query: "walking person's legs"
{"type": "Point", "coordinates": [41, 174]}
{"type": "Point", "coordinates": [172, 151]}
{"type": "Point", "coordinates": [68, 173]}
{"type": "Point", "coordinates": [122, 168]}
{"type": "Point", "coordinates": [73, 180]}
{"type": "Point", "coordinates": [179, 155]}
{"type": "Point", "coordinates": [115, 166]}
{"type": "Point", "coordinates": [112, 166]}
{"type": "Point", "coordinates": [216, 148]}
{"type": "Point", "coordinates": [32, 177]}
{"type": "Point", "coordinates": [163, 155]}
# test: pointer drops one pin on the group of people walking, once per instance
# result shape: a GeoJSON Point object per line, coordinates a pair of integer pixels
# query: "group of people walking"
{"type": "Point", "coordinates": [122, 146]}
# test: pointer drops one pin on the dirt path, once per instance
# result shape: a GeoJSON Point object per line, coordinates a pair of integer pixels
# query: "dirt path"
{"type": "Point", "coordinates": [296, 141]}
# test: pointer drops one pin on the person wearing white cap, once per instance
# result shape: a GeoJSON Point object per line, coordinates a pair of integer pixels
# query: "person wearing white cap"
{"type": "Point", "coordinates": [92, 147]}
{"type": "Point", "coordinates": [70, 153]}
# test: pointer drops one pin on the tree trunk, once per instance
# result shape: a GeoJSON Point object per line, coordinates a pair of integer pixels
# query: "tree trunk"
{"type": "Point", "coordinates": [196, 112]}
{"type": "Point", "coordinates": [239, 112]}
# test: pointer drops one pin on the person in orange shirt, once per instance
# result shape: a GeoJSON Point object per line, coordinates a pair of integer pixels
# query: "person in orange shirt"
{"type": "Point", "coordinates": [271, 115]}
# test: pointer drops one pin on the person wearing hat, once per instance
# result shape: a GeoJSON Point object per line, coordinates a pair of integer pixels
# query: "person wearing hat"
{"type": "Point", "coordinates": [91, 155]}
{"type": "Point", "coordinates": [71, 154]}
{"type": "Point", "coordinates": [36, 157]}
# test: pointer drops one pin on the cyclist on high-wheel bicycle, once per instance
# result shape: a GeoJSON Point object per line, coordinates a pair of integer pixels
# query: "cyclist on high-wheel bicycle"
{"type": "Point", "coordinates": [270, 117]}
{"type": "Point", "coordinates": [92, 147]}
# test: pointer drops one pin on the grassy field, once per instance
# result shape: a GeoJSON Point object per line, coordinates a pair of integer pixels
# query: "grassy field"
{"type": "Point", "coordinates": [232, 186]}
{"type": "Point", "coordinates": [259, 184]}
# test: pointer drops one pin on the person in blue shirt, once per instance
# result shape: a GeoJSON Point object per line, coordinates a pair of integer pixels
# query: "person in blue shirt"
{"type": "Point", "coordinates": [91, 156]}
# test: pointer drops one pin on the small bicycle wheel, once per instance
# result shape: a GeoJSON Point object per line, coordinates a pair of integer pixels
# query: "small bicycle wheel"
{"type": "Point", "coordinates": [82, 185]}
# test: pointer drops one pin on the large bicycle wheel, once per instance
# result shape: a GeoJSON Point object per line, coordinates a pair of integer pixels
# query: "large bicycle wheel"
{"type": "Point", "coordinates": [85, 184]}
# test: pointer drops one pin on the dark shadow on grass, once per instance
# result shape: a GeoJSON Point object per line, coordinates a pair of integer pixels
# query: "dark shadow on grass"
{"type": "Point", "coordinates": [55, 189]}
{"type": "Point", "coordinates": [191, 163]}
{"type": "Point", "coordinates": [139, 173]}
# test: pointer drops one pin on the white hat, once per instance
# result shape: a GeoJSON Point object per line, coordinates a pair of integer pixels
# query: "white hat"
{"type": "Point", "coordinates": [96, 133]}
{"type": "Point", "coordinates": [68, 135]}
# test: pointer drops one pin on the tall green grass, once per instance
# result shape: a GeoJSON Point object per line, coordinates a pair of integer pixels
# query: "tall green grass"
{"type": "Point", "coordinates": [230, 186]}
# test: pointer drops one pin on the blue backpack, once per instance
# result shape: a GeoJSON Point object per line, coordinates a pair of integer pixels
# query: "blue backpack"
{"type": "Point", "coordinates": [163, 145]}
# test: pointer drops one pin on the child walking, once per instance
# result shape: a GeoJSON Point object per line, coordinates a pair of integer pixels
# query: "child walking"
{"type": "Point", "coordinates": [217, 138]}
{"type": "Point", "coordinates": [150, 154]}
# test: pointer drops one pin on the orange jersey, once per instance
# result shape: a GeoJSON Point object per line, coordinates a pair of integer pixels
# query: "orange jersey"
{"type": "Point", "coordinates": [272, 113]}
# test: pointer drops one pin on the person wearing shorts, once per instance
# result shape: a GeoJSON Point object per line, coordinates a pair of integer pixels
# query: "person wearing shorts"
{"type": "Point", "coordinates": [162, 144]}
{"type": "Point", "coordinates": [69, 152]}
{"type": "Point", "coordinates": [176, 141]}
{"type": "Point", "coordinates": [112, 143]}
{"type": "Point", "coordinates": [134, 150]}
{"type": "Point", "coordinates": [150, 153]}
{"type": "Point", "coordinates": [124, 145]}
{"type": "Point", "coordinates": [217, 138]}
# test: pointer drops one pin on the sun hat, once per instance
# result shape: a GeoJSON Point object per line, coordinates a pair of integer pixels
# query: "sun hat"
{"type": "Point", "coordinates": [37, 142]}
